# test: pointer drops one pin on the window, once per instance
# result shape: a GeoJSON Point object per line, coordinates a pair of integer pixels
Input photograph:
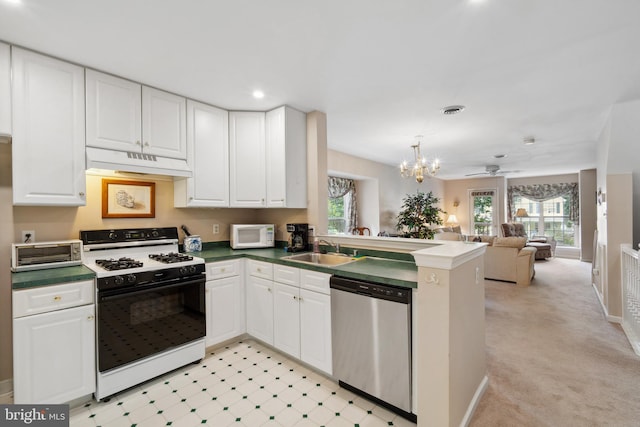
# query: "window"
{"type": "Point", "coordinates": [548, 218]}
{"type": "Point", "coordinates": [483, 205]}
{"type": "Point", "coordinates": [341, 213]}
{"type": "Point", "coordinates": [337, 215]}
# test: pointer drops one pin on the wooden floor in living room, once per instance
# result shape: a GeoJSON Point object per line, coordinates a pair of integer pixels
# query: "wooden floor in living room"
{"type": "Point", "coordinates": [553, 359]}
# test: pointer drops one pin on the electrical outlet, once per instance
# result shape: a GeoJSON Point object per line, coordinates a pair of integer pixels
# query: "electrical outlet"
{"type": "Point", "coordinates": [312, 230]}
{"type": "Point", "coordinates": [216, 228]}
{"type": "Point", "coordinates": [27, 236]}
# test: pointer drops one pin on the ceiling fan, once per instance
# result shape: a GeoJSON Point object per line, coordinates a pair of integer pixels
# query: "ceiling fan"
{"type": "Point", "coordinates": [491, 170]}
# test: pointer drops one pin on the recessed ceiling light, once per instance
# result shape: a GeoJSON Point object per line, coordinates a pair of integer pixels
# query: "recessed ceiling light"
{"type": "Point", "coordinates": [258, 94]}
{"type": "Point", "coordinates": [452, 109]}
{"type": "Point", "coordinates": [500, 156]}
{"type": "Point", "coordinates": [529, 141]}
{"type": "Point", "coordinates": [13, 1]}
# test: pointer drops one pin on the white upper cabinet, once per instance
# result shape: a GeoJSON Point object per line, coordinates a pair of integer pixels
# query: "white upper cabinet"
{"type": "Point", "coordinates": [268, 159]}
{"type": "Point", "coordinates": [114, 108]}
{"type": "Point", "coordinates": [286, 155]}
{"type": "Point", "coordinates": [48, 131]}
{"type": "Point", "coordinates": [126, 116]}
{"type": "Point", "coordinates": [208, 157]}
{"type": "Point", "coordinates": [247, 163]}
{"type": "Point", "coordinates": [164, 124]}
{"type": "Point", "coordinates": [5, 92]}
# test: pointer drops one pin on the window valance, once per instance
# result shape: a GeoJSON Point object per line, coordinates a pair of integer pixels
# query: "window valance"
{"type": "Point", "coordinates": [542, 192]}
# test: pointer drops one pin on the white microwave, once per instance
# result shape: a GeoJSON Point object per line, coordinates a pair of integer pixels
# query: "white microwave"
{"type": "Point", "coordinates": [245, 236]}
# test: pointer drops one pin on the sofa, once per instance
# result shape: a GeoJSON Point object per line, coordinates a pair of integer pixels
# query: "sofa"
{"type": "Point", "coordinates": [509, 260]}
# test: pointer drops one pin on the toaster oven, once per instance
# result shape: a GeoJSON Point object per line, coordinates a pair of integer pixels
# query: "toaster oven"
{"type": "Point", "coordinates": [38, 256]}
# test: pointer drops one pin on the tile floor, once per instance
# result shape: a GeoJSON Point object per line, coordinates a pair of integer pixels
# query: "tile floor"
{"type": "Point", "coordinates": [243, 384]}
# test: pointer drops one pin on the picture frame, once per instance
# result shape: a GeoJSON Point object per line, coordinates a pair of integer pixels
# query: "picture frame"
{"type": "Point", "coordinates": [128, 199]}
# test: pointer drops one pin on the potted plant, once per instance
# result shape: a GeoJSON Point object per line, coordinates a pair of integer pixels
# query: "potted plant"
{"type": "Point", "coordinates": [418, 213]}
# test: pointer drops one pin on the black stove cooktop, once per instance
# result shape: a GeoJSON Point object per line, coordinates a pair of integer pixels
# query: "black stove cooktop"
{"type": "Point", "coordinates": [170, 257]}
{"type": "Point", "coordinates": [119, 264]}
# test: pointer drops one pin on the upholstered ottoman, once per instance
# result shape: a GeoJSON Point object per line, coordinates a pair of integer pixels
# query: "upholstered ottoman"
{"type": "Point", "coordinates": [543, 250]}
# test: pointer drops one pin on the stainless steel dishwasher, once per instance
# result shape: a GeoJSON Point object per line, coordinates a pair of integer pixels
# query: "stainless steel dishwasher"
{"type": "Point", "coordinates": [371, 338]}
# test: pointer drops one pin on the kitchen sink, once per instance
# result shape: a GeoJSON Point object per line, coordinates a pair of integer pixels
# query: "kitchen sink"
{"type": "Point", "coordinates": [321, 259]}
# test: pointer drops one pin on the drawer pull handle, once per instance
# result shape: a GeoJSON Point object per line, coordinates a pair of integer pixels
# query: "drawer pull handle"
{"type": "Point", "coordinates": [295, 297]}
{"type": "Point", "coordinates": [223, 269]}
{"type": "Point", "coordinates": [90, 317]}
{"type": "Point", "coordinates": [57, 298]}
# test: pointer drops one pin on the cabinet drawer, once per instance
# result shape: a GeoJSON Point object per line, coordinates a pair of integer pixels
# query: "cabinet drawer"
{"type": "Point", "coordinates": [222, 269]}
{"type": "Point", "coordinates": [260, 269]}
{"type": "Point", "coordinates": [286, 275]}
{"type": "Point", "coordinates": [314, 281]}
{"type": "Point", "coordinates": [49, 298]}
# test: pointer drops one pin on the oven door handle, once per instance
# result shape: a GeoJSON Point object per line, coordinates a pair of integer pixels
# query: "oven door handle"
{"type": "Point", "coordinates": [104, 296]}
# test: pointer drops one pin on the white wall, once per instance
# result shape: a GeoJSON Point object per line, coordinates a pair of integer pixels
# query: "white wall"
{"type": "Point", "coordinates": [380, 188]}
{"type": "Point", "coordinates": [618, 177]}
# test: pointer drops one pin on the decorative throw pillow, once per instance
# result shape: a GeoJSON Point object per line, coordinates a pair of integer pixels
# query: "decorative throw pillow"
{"type": "Point", "coordinates": [456, 229]}
{"type": "Point", "coordinates": [510, 242]}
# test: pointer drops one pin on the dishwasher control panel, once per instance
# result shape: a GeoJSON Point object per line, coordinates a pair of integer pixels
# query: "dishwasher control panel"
{"type": "Point", "coordinates": [373, 290]}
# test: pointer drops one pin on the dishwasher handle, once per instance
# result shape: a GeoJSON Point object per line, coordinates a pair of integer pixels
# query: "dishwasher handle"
{"type": "Point", "coordinates": [371, 289]}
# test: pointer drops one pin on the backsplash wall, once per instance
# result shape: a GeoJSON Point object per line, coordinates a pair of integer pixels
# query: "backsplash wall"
{"type": "Point", "coordinates": [57, 223]}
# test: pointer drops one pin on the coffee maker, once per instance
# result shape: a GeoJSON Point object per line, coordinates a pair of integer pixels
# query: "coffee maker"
{"type": "Point", "coordinates": [299, 238]}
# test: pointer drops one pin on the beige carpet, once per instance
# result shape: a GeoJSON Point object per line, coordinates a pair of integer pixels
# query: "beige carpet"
{"type": "Point", "coordinates": [553, 359]}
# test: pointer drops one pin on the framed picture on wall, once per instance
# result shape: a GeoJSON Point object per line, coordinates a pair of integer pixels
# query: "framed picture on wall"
{"type": "Point", "coordinates": [128, 199]}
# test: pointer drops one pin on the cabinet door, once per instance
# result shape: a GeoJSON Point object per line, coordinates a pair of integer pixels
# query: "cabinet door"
{"type": "Point", "coordinates": [5, 93]}
{"type": "Point", "coordinates": [208, 156]}
{"type": "Point", "coordinates": [114, 109]}
{"type": "Point", "coordinates": [247, 159]}
{"type": "Point", "coordinates": [164, 123]}
{"type": "Point", "coordinates": [48, 131]}
{"type": "Point", "coordinates": [260, 308]}
{"type": "Point", "coordinates": [315, 330]}
{"type": "Point", "coordinates": [225, 309]}
{"type": "Point", "coordinates": [69, 335]}
{"type": "Point", "coordinates": [286, 154]}
{"type": "Point", "coordinates": [286, 319]}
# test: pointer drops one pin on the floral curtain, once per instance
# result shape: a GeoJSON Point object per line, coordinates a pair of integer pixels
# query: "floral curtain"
{"type": "Point", "coordinates": [542, 192]}
{"type": "Point", "coordinates": [340, 187]}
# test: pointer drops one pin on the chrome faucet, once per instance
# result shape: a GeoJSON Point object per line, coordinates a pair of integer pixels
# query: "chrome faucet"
{"type": "Point", "coordinates": [331, 244]}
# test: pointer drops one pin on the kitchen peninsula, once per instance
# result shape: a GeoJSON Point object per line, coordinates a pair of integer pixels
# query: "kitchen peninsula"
{"type": "Point", "coordinates": [446, 280]}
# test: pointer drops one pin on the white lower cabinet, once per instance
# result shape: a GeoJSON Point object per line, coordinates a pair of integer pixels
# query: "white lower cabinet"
{"type": "Point", "coordinates": [286, 319]}
{"type": "Point", "coordinates": [225, 305]}
{"type": "Point", "coordinates": [260, 308]}
{"type": "Point", "coordinates": [53, 351]}
{"type": "Point", "coordinates": [315, 330]}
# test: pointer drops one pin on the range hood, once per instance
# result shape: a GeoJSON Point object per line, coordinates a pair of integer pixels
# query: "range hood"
{"type": "Point", "coordinates": [127, 161]}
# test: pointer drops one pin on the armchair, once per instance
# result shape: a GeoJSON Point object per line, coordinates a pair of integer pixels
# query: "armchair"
{"type": "Point", "coordinates": [544, 245]}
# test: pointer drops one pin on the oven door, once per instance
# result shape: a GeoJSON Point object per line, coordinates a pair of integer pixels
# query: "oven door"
{"type": "Point", "coordinates": [138, 322]}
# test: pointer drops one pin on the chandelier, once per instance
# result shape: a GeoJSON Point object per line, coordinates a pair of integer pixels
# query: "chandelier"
{"type": "Point", "coordinates": [420, 167]}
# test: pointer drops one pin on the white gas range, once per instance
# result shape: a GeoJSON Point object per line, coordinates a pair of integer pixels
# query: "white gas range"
{"type": "Point", "coordinates": [150, 305]}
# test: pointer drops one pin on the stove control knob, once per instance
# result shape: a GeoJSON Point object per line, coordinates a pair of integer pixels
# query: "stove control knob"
{"type": "Point", "coordinates": [118, 280]}
{"type": "Point", "coordinates": [192, 269]}
{"type": "Point", "coordinates": [155, 233]}
{"type": "Point", "coordinates": [131, 278]}
{"type": "Point", "coordinates": [183, 270]}
{"type": "Point", "coordinates": [112, 235]}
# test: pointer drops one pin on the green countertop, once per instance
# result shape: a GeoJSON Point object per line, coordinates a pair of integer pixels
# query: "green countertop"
{"type": "Point", "coordinates": [50, 276]}
{"type": "Point", "coordinates": [371, 268]}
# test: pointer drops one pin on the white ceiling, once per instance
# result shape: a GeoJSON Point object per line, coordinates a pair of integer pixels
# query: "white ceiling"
{"type": "Point", "coordinates": [381, 70]}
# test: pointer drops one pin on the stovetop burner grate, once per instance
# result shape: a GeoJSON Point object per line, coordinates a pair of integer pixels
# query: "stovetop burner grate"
{"type": "Point", "coordinates": [118, 264]}
{"type": "Point", "coordinates": [170, 257]}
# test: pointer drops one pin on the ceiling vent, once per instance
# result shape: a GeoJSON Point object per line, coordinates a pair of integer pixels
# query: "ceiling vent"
{"type": "Point", "coordinates": [452, 109]}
